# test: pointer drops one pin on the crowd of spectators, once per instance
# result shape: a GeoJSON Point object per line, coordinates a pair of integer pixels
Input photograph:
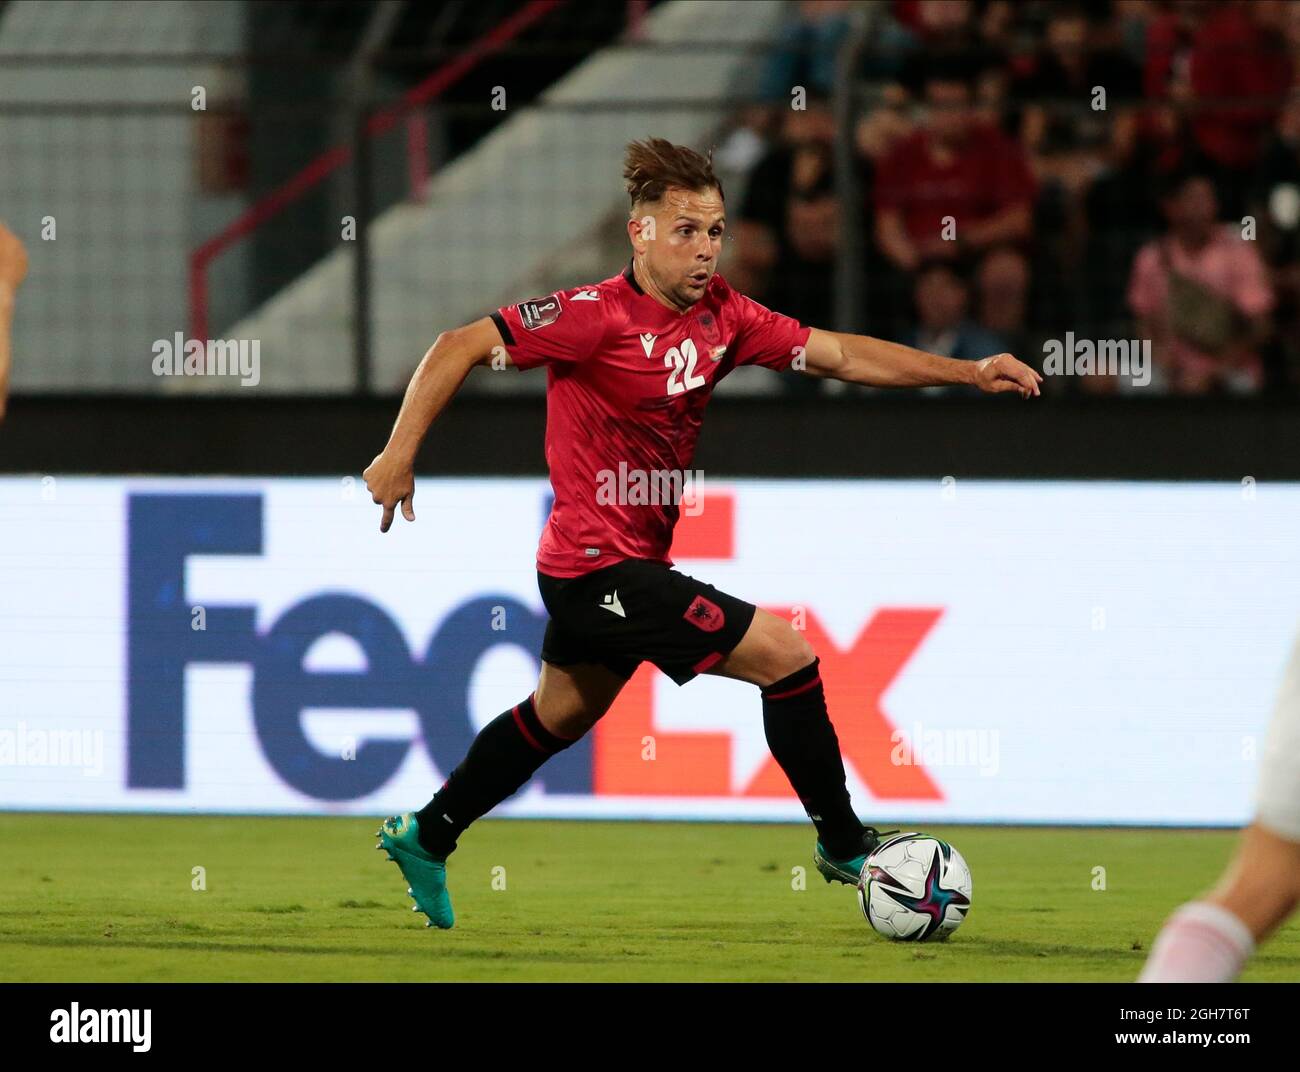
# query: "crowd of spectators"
{"type": "Point", "coordinates": [1116, 169]}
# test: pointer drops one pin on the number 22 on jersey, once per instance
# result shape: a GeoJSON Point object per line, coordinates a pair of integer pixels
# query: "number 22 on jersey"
{"type": "Point", "coordinates": [681, 361]}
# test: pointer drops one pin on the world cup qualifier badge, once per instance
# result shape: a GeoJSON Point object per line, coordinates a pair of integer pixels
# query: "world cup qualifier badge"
{"type": "Point", "coordinates": [539, 312]}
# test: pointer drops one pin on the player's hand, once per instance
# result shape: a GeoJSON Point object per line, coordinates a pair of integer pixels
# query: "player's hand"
{"type": "Point", "coordinates": [391, 481]}
{"type": "Point", "coordinates": [13, 267]}
{"type": "Point", "coordinates": [13, 259]}
{"type": "Point", "coordinates": [1002, 372]}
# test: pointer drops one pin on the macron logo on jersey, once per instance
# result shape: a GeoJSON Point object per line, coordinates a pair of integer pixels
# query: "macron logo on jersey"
{"type": "Point", "coordinates": [611, 604]}
{"type": "Point", "coordinates": [586, 295]}
{"type": "Point", "coordinates": [648, 343]}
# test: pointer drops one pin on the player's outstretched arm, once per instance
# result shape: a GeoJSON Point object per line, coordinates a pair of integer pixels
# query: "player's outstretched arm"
{"type": "Point", "coordinates": [390, 478]}
{"type": "Point", "coordinates": [877, 363]}
{"type": "Point", "coordinates": [13, 267]}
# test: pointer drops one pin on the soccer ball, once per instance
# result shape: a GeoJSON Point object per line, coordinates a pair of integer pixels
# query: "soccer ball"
{"type": "Point", "coordinates": [915, 888]}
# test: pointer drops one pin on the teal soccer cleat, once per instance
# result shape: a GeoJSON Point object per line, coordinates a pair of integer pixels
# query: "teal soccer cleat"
{"type": "Point", "coordinates": [427, 874]}
{"type": "Point", "coordinates": [850, 870]}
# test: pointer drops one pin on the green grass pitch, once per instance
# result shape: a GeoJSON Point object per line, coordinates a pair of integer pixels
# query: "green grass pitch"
{"type": "Point", "coordinates": [110, 898]}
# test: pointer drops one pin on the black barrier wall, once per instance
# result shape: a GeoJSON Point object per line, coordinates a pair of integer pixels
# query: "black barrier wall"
{"type": "Point", "coordinates": [896, 437]}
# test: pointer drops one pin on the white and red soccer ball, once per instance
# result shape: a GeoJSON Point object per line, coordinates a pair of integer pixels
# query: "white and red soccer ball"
{"type": "Point", "coordinates": [915, 888]}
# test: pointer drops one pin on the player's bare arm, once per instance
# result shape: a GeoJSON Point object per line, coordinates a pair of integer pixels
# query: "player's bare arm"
{"type": "Point", "coordinates": [390, 478]}
{"type": "Point", "coordinates": [13, 269]}
{"type": "Point", "coordinates": [877, 363]}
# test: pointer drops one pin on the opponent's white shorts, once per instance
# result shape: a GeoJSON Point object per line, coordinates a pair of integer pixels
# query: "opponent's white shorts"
{"type": "Point", "coordinates": [1277, 797]}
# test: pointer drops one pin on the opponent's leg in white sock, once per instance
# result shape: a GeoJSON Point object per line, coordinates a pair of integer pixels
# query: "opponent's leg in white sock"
{"type": "Point", "coordinates": [1201, 943]}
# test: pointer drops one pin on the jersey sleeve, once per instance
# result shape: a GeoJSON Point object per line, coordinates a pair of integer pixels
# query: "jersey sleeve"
{"type": "Point", "coordinates": [554, 330]}
{"type": "Point", "coordinates": [767, 338]}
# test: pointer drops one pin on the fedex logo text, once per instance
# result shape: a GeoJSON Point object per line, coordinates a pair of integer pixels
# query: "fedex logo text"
{"type": "Point", "coordinates": [167, 528]}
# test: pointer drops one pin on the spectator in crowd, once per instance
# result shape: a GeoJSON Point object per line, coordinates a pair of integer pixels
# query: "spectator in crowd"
{"type": "Point", "coordinates": [1002, 281]}
{"type": "Point", "coordinates": [13, 267]}
{"type": "Point", "coordinates": [1120, 207]}
{"type": "Point", "coordinates": [990, 161]}
{"type": "Point", "coordinates": [802, 58]}
{"type": "Point", "coordinates": [1201, 295]}
{"type": "Point", "coordinates": [891, 42]}
{"type": "Point", "coordinates": [1076, 100]}
{"type": "Point", "coordinates": [957, 189]}
{"type": "Point", "coordinates": [1223, 70]}
{"type": "Point", "coordinates": [1129, 22]}
{"type": "Point", "coordinates": [1170, 36]}
{"type": "Point", "coordinates": [1240, 75]}
{"type": "Point", "coordinates": [788, 221]}
{"type": "Point", "coordinates": [807, 44]}
{"type": "Point", "coordinates": [971, 34]}
{"type": "Point", "coordinates": [1075, 112]}
{"type": "Point", "coordinates": [885, 124]}
{"type": "Point", "coordinates": [943, 325]}
{"type": "Point", "coordinates": [996, 22]}
{"type": "Point", "coordinates": [1274, 204]}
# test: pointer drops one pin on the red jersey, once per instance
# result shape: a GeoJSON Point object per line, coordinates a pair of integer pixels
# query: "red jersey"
{"type": "Point", "coordinates": [627, 381]}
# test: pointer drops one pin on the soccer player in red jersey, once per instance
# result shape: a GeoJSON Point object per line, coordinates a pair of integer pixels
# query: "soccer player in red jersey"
{"type": "Point", "coordinates": [631, 363]}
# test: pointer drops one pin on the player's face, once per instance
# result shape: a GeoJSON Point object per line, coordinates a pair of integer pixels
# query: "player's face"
{"type": "Point", "coordinates": [687, 241]}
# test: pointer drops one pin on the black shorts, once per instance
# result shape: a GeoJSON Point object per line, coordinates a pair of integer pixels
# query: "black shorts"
{"type": "Point", "coordinates": [637, 610]}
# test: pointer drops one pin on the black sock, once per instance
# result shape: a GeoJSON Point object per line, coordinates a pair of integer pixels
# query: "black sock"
{"type": "Point", "coordinates": [803, 742]}
{"type": "Point", "coordinates": [501, 759]}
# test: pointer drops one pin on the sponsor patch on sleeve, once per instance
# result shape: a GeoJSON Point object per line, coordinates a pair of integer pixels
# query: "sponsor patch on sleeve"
{"type": "Point", "coordinates": [539, 312]}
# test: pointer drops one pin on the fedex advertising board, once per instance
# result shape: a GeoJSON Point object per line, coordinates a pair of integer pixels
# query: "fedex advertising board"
{"type": "Point", "coordinates": [992, 651]}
